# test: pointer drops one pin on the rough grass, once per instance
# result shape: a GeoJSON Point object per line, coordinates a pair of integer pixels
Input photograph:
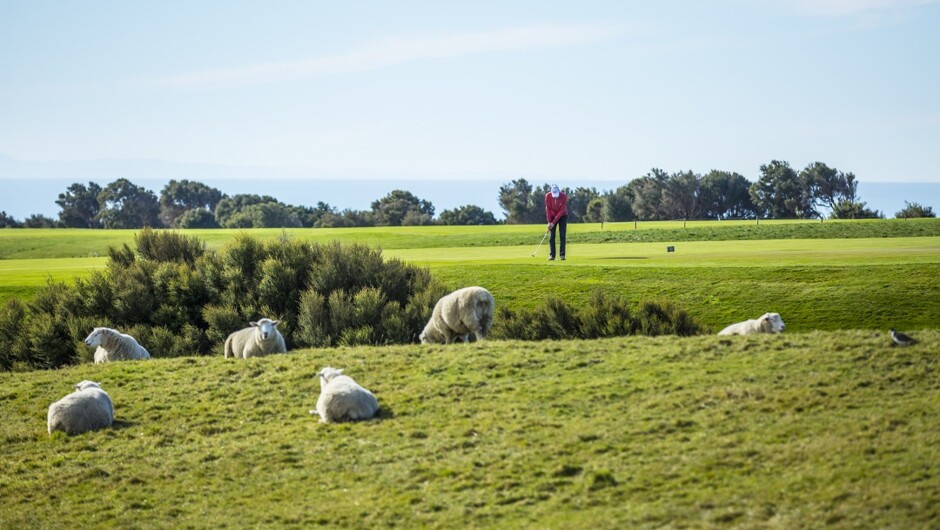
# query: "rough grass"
{"type": "Point", "coordinates": [82, 243]}
{"type": "Point", "coordinates": [824, 429]}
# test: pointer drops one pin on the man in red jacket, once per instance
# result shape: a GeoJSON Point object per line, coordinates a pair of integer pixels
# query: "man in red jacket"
{"type": "Point", "coordinates": [556, 212]}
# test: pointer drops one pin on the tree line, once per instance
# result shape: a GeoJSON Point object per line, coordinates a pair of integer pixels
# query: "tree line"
{"type": "Point", "coordinates": [780, 192]}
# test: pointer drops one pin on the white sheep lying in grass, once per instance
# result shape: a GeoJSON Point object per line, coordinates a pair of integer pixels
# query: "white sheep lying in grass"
{"type": "Point", "coordinates": [458, 314]}
{"type": "Point", "coordinates": [342, 399]}
{"type": "Point", "coordinates": [262, 338]}
{"type": "Point", "coordinates": [115, 346]}
{"type": "Point", "coordinates": [766, 323]}
{"type": "Point", "coordinates": [87, 409]}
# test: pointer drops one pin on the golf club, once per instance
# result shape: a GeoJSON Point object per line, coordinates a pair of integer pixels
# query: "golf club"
{"type": "Point", "coordinates": [540, 244]}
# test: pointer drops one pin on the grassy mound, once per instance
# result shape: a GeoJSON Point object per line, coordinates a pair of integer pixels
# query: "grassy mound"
{"type": "Point", "coordinates": [789, 431]}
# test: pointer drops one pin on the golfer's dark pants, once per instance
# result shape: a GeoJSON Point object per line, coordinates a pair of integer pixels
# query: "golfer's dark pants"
{"type": "Point", "coordinates": [562, 226]}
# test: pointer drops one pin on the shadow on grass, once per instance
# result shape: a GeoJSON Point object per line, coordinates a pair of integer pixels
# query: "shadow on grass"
{"type": "Point", "coordinates": [119, 425]}
{"type": "Point", "coordinates": [622, 257]}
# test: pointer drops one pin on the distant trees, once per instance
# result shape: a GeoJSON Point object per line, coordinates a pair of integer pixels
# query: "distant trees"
{"type": "Point", "coordinates": [726, 195]}
{"type": "Point", "coordinates": [468, 215]}
{"type": "Point", "coordinates": [80, 206]}
{"type": "Point", "coordinates": [913, 209]}
{"type": "Point", "coordinates": [402, 208]}
{"type": "Point", "coordinates": [124, 204]}
{"type": "Point", "coordinates": [180, 197]}
{"type": "Point", "coordinates": [516, 201]}
{"type": "Point", "coordinates": [779, 192]}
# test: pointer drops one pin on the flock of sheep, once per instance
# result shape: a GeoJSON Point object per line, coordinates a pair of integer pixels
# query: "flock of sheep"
{"type": "Point", "coordinates": [456, 316]}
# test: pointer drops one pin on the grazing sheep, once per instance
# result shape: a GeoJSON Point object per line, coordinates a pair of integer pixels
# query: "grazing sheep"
{"type": "Point", "coordinates": [262, 338]}
{"type": "Point", "coordinates": [115, 346]}
{"type": "Point", "coordinates": [341, 398]}
{"type": "Point", "coordinates": [87, 409]}
{"type": "Point", "coordinates": [767, 323]}
{"type": "Point", "coordinates": [458, 314]}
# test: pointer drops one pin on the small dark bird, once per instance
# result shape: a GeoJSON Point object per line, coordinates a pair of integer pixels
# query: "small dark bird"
{"type": "Point", "coordinates": [901, 339]}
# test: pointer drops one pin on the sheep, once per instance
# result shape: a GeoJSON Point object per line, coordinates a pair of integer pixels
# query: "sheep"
{"type": "Point", "coordinates": [458, 314]}
{"type": "Point", "coordinates": [766, 323]}
{"type": "Point", "coordinates": [87, 409]}
{"type": "Point", "coordinates": [341, 398]}
{"type": "Point", "coordinates": [115, 346]}
{"type": "Point", "coordinates": [262, 338]}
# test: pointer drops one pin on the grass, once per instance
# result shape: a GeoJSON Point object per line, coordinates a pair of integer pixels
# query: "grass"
{"type": "Point", "coordinates": [77, 243]}
{"type": "Point", "coordinates": [811, 430]}
{"type": "Point", "coordinates": [815, 284]}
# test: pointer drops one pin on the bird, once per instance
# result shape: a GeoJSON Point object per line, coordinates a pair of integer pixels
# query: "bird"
{"type": "Point", "coordinates": [901, 339]}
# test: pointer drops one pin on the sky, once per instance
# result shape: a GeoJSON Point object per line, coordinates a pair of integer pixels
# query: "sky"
{"type": "Point", "coordinates": [550, 91]}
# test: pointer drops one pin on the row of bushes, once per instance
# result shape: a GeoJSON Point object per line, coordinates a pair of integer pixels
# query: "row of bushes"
{"type": "Point", "coordinates": [603, 316]}
{"type": "Point", "coordinates": [178, 299]}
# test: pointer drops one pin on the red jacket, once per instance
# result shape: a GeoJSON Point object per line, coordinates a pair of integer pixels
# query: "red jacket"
{"type": "Point", "coordinates": [555, 209]}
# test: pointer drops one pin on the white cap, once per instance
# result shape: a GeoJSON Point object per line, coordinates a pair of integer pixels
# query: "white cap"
{"type": "Point", "coordinates": [555, 190]}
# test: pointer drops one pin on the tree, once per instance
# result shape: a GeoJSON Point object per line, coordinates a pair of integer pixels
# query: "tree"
{"type": "Point", "coordinates": [310, 215]}
{"type": "Point", "coordinates": [682, 196]}
{"type": "Point", "coordinates": [647, 193]}
{"type": "Point", "coordinates": [913, 209]}
{"type": "Point", "coordinates": [264, 215]}
{"type": "Point", "coordinates": [179, 196]}
{"type": "Point", "coordinates": [619, 205]}
{"type": "Point", "coordinates": [516, 200]}
{"type": "Point", "coordinates": [7, 221]}
{"type": "Point", "coordinates": [346, 218]}
{"type": "Point", "coordinates": [80, 206]}
{"type": "Point", "coordinates": [725, 195]}
{"type": "Point", "coordinates": [229, 206]}
{"type": "Point", "coordinates": [40, 221]}
{"type": "Point", "coordinates": [578, 201]}
{"type": "Point", "coordinates": [196, 218]}
{"type": "Point", "coordinates": [780, 194]}
{"type": "Point", "coordinates": [595, 212]}
{"type": "Point", "coordinates": [828, 186]}
{"type": "Point", "coordinates": [847, 209]}
{"type": "Point", "coordinates": [126, 205]}
{"type": "Point", "coordinates": [468, 215]}
{"type": "Point", "coordinates": [392, 209]}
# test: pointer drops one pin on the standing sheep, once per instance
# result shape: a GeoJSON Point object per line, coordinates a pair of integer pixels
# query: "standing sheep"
{"type": "Point", "coordinates": [87, 409]}
{"type": "Point", "coordinates": [456, 315]}
{"type": "Point", "coordinates": [341, 398]}
{"type": "Point", "coordinates": [766, 323]}
{"type": "Point", "coordinates": [115, 346]}
{"type": "Point", "coordinates": [262, 338]}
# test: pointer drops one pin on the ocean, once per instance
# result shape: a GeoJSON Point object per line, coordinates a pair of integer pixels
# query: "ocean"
{"type": "Point", "coordinates": [25, 197]}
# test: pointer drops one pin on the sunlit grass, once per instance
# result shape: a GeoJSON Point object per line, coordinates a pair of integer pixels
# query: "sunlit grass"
{"type": "Point", "coordinates": [792, 431]}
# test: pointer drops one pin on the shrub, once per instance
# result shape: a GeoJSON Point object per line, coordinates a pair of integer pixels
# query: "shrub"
{"type": "Point", "coordinates": [914, 210]}
{"type": "Point", "coordinates": [603, 316]}
{"type": "Point", "coordinates": [177, 299]}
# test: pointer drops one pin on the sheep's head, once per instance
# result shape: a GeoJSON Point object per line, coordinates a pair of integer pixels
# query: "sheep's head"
{"type": "Point", "coordinates": [87, 384]}
{"type": "Point", "coordinates": [423, 337]}
{"type": "Point", "coordinates": [772, 323]}
{"type": "Point", "coordinates": [265, 327]}
{"type": "Point", "coordinates": [97, 336]}
{"type": "Point", "coordinates": [327, 374]}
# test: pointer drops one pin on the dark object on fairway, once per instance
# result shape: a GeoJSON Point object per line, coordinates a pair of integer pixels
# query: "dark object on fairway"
{"type": "Point", "coordinates": [670, 249]}
{"type": "Point", "coordinates": [901, 339]}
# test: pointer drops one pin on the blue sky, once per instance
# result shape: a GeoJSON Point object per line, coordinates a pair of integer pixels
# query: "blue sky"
{"type": "Point", "coordinates": [546, 90]}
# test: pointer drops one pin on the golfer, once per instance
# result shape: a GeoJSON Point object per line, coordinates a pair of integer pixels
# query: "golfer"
{"type": "Point", "coordinates": [556, 212]}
